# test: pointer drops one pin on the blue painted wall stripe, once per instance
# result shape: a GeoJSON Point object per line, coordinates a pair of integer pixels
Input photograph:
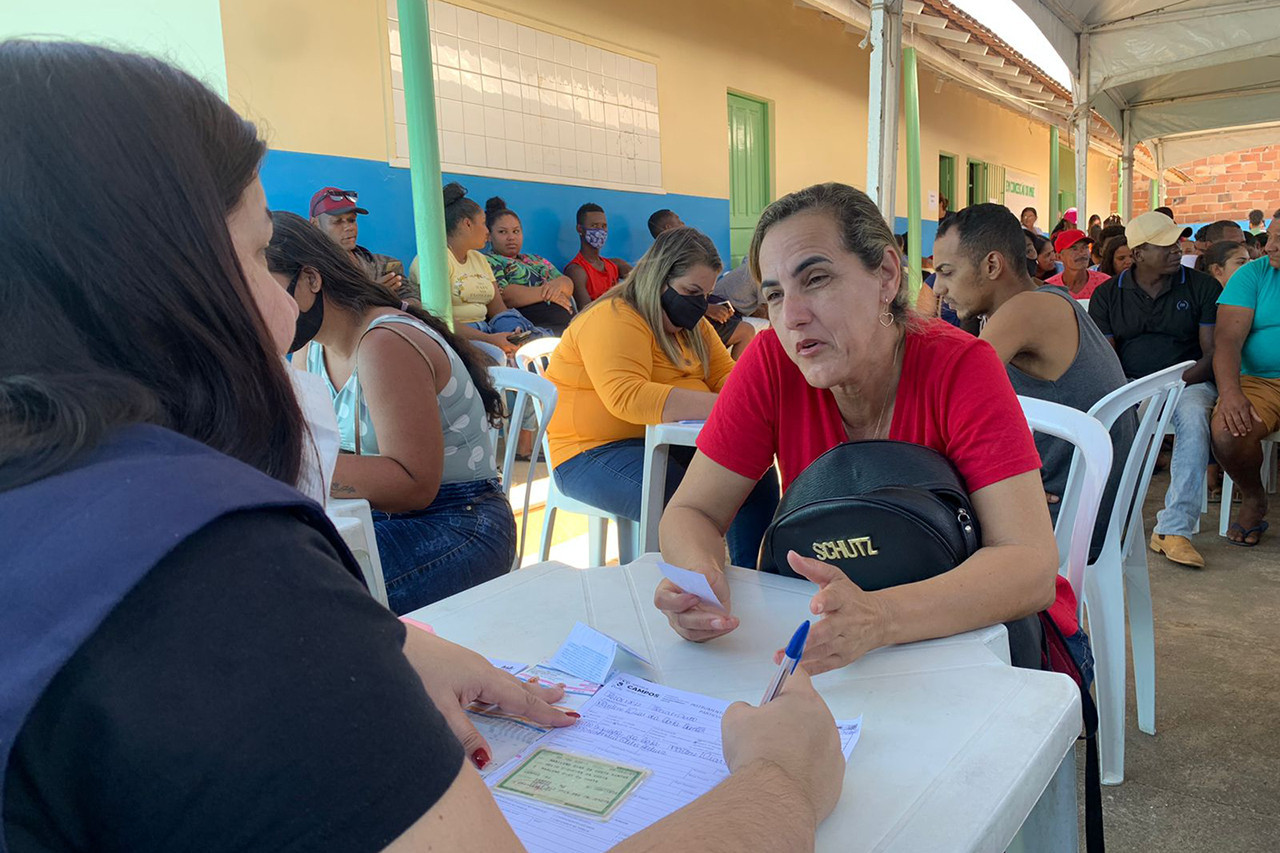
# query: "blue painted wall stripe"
{"type": "Point", "coordinates": [546, 210]}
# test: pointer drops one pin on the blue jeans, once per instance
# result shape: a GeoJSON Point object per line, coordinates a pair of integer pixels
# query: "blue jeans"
{"type": "Point", "coordinates": [504, 323]}
{"type": "Point", "coordinates": [1184, 499]}
{"type": "Point", "coordinates": [611, 477]}
{"type": "Point", "coordinates": [465, 537]}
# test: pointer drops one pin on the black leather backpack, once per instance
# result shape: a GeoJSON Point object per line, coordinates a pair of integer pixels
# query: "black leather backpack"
{"type": "Point", "coordinates": [885, 512]}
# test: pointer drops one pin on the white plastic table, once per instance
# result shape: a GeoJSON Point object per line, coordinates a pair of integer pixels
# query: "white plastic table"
{"type": "Point", "coordinates": [657, 439]}
{"type": "Point", "coordinates": [958, 750]}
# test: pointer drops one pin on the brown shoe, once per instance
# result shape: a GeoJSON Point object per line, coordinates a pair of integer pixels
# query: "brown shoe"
{"type": "Point", "coordinates": [1178, 549]}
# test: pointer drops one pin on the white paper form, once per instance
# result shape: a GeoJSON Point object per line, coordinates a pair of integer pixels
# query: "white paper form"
{"type": "Point", "coordinates": [632, 721]}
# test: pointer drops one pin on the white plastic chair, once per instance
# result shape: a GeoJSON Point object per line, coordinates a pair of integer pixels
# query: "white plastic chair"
{"type": "Point", "coordinates": [1086, 481]}
{"type": "Point", "coordinates": [536, 354]}
{"type": "Point", "coordinates": [1228, 487]}
{"type": "Point", "coordinates": [1121, 568]}
{"type": "Point", "coordinates": [527, 387]}
{"type": "Point", "coordinates": [354, 521]}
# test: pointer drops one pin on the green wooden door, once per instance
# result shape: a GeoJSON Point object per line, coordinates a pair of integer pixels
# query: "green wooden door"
{"type": "Point", "coordinates": [749, 184]}
{"type": "Point", "coordinates": [976, 188]}
{"type": "Point", "coordinates": [947, 180]}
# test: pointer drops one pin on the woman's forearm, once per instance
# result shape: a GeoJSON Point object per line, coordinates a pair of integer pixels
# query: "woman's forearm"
{"type": "Point", "coordinates": [685, 405]}
{"type": "Point", "coordinates": [999, 583]}
{"type": "Point", "coordinates": [758, 808]}
{"type": "Point", "coordinates": [382, 481]}
{"type": "Point", "coordinates": [690, 539]}
{"type": "Point", "coordinates": [519, 295]}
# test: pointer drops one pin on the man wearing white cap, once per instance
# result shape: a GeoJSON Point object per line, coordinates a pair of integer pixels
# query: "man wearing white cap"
{"type": "Point", "coordinates": [1159, 313]}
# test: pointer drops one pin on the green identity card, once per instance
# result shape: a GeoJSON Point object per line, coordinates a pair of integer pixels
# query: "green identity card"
{"type": "Point", "coordinates": [584, 786]}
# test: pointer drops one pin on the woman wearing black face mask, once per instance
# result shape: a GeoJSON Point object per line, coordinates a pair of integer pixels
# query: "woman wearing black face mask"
{"type": "Point", "coordinates": [425, 462]}
{"type": "Point", "coordinates": [644, 354]}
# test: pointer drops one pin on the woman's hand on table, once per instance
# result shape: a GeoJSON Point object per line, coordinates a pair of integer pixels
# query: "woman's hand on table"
{"type": "Point", "coordinates": [689, 616]}
{"type": "Point", "coordinates": [455, 677]}
{"type": "Point", "coordinates": [853, 620]}
{"type": "Point", "coordinates": [796, 734]}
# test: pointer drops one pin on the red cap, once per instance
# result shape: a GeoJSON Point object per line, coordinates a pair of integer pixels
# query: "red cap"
{"type": "Point", "coordinates": [333, 201]}
{"type": "Point", "coordinates": [1068, 238]}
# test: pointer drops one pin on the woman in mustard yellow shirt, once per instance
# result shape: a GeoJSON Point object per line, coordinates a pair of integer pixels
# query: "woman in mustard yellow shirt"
{"type": "Point", "coordinates": [644, 354]}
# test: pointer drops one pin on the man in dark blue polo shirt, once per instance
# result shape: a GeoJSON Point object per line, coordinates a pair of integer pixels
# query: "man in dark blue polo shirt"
{"type": "Point", "coordinates": [1159, 313]}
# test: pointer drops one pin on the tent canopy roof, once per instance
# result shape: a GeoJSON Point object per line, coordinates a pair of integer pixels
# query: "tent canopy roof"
{"type": "Point", "coordinates": [1210, 67]}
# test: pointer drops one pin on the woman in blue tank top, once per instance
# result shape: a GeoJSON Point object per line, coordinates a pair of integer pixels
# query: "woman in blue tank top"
{"type": "Point", "coordinates": [415, 406]}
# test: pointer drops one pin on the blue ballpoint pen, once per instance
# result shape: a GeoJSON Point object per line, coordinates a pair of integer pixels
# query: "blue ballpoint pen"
{"type": "Point", "coordinates": [795, 650]}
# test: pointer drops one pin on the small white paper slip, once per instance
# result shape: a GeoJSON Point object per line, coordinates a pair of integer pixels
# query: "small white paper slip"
{"type": "Point", "coordinates": [589, 654]}
{"type": "Point", "coordinates": [850, 731]}
{"type": "Point", "coordinates": [691, 582]}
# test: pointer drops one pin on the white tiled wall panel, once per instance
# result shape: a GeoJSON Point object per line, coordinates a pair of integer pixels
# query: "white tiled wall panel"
{"type": "Point", "coordinates": [532, 103]}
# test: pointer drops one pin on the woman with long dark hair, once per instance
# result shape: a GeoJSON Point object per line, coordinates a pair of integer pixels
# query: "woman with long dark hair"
{"type": "Point", "coordinates": [414, 405]}
{"type": "Point", "coordinates": [1116, 256]}
{"type": "Point", "coordinates": [189, 658]}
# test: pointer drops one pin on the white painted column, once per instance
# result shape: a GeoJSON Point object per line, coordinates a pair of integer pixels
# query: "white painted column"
{"type": "Point", "coordinates": [882, 105]}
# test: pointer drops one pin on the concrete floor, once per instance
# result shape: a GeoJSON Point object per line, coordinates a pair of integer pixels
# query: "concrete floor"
{"type": "Point", "coordinates": [1209, 780]}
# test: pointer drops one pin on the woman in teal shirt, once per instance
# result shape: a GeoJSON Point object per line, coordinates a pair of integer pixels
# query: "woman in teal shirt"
{"type": "Point", "coordinates": [425, 461]}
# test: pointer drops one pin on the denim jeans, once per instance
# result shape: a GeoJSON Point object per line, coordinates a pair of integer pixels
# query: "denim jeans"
{"type": "Point", "coordinates": [465, 537]}
{"type": "Point", "coordinates": [611, 477]}
{"type": "Point", "coordinates": [504, 323]}
{"type": "Point", "coordinates": [1184, 500]}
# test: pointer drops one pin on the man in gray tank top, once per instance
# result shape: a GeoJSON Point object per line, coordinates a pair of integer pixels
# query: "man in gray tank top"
{"type": "Point", "coordinates": [1051, 349]}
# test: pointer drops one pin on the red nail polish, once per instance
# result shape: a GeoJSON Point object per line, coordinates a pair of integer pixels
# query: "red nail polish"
{"type": "Point", "coordinates": [481, 758]}
{"type": "Point", "coordinates": [573, 714]}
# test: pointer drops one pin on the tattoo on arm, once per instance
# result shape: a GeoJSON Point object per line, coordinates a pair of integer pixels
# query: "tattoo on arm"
{"type": "Point", "coordinates": [339, 490]}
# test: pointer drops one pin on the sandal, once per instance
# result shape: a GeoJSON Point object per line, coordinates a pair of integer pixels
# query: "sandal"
{"type": "Point", "coordinates": [1245, 534]}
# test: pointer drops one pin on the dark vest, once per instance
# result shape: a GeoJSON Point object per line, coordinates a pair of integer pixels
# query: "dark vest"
{"type": "Point", "coordinates": [73, 545]}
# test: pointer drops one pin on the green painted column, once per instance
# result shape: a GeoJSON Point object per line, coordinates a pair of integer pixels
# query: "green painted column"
{"type": "Point", "coordinates": [1054, 213]}
{"type": "Point", "coordinates": [911, 104]}
{"type": "Point", "coordinates": [424, 158]}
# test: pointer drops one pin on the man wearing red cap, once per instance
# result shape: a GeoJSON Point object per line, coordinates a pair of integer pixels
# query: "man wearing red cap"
{"type": "Point", "coordinates": [1072, 246]}
{"type": "Point", "coordinates": [334, 212]}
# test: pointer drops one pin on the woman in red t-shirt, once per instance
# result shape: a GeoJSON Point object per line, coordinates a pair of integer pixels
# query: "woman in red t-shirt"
{"type": "Point", "coordinates": [844, 361]}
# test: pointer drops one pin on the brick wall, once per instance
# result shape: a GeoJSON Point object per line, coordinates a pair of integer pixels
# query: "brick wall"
{"type": "Point", "coordinates": [1224, 186]}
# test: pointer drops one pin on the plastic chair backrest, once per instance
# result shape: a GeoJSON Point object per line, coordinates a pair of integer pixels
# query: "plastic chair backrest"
{"type": "Point", "coordinates": [1156, 396]}
{"type": "Point", "coordinates": [1090, 466]}
{"type": "Point", "coordinates": [536, 354]}
{"type": "Point", "coordinates": [527, 387]}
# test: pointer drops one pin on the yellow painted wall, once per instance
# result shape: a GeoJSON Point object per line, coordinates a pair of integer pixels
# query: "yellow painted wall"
{"type": "Point", "coordinates": [310, 73]}
{"type": "Point", "coordinates": [313, 73]}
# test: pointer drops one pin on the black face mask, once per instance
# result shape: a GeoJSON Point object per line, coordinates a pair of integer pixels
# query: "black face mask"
{"type": "Point", "coordinates": [683, 311]}
{"type": "Point", "coordinates": [1033, 267]}
{"type": "Point", "coordinates": [309, 321]}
